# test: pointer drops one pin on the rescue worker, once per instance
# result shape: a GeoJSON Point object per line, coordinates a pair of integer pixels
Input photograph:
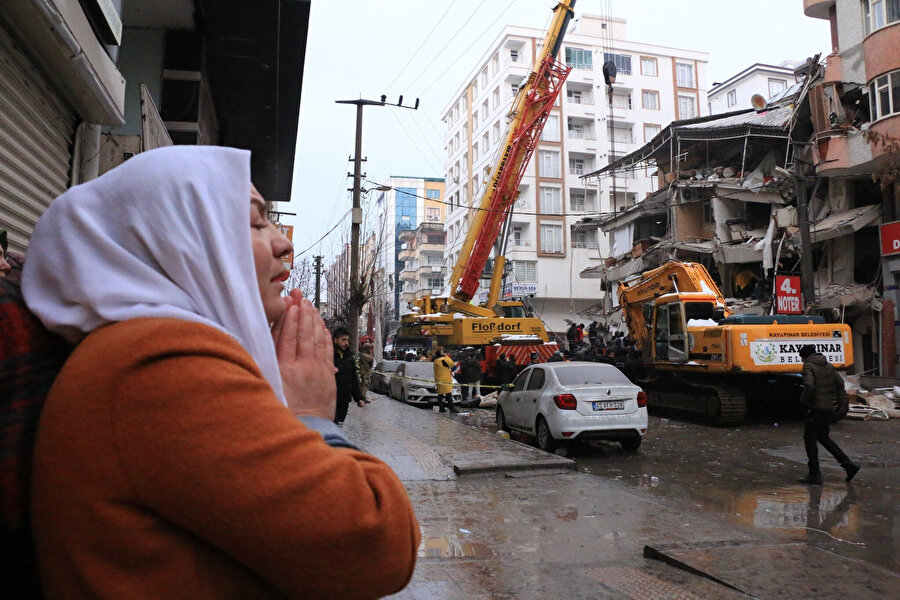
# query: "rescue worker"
{"type": "Point", "coordinates": [443, 378]}
{"type": "Point", "coordinates": [823, 390]}
{"type": "Point", "coordinates": [366, 362]}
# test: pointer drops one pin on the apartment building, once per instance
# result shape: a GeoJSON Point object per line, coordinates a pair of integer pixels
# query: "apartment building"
{"type": "Point", "coordinates": [404, 206]}
{"type": "Point", "coordinates": [547, 248]}
{"type": "Point", "coordinates": [422, 253]}
{"type": "Point", "coordinates": [767, 81]}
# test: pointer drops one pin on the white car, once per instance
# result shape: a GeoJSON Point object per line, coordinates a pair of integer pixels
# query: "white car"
{"type": "Point", "coordinates": [380, 380]}
{"type": "Point", "coordinates": [413, 383]}
{"type": "Point", "coordinates": [574, 401]}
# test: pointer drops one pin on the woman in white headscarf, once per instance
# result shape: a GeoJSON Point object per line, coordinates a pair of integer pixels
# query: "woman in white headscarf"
{"type": "Point", "coordinates": [181, 452]}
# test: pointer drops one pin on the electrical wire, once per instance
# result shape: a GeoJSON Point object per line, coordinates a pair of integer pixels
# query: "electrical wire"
{"type": "Point", "coordinates": [327, 233]}
{"type": "Point", "coordinates": [415, 53]}
{"type": "Point", "coordinates": [411, 139]}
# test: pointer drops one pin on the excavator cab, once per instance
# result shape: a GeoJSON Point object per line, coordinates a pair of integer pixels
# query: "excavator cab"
{"type": "Point", "coordinates": [670, 333]}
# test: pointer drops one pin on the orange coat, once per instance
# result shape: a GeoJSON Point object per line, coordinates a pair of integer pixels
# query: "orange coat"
{"type": "Point", "coordinates": [165, 467]}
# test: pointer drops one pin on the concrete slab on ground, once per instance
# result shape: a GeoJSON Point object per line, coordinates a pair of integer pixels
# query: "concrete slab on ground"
{"type": "Point", "coordinates": [419, 444]}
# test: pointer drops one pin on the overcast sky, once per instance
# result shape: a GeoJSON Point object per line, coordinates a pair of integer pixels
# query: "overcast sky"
{"type": "Point", "coordinates": [365, 48]}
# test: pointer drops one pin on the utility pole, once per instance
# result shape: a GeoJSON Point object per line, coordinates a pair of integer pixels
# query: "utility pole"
{"type": "Point", "coordinates": [807, 277]}
{"type": "Point", "coordinates": [317, 260]}
{"type": "Point", "coordinates": [356, 218]}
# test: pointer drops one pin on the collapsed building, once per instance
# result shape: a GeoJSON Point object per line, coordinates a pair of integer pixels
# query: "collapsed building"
{"type": "Point", "coordinates": [728, 199]}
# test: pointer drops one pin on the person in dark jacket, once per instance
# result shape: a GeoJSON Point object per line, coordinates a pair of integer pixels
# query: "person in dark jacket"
{"type": "Point", "coordinates": [592, 332]}
{"type": "Point", "coordinates": [823, 388]}
{"type": "Point", "coordinates": [471, 372]}
{"type": "Point", "coordinates": [571, 334]}
{"type": "Point", "coordinates": [504, 370]}
{"type": "Point", "coordinates": [345, 375]}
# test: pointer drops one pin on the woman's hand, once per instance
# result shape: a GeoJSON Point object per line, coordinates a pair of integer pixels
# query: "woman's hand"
{"type": "Point", "coordinates": [306, 359]}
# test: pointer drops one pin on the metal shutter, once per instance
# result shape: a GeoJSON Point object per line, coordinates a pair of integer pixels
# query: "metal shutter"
{"type": "Point", "coordinates": [36, 135]}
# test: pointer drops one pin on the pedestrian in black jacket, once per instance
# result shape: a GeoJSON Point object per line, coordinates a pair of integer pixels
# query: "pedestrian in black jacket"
{"type": "Point", "coordinates": [345, 376]}
{"type": "Point", "coordinates": [471, 371]}
{"type": "Point", "coordinates": [504, 370]}
{"type": "Point", "coordinates": [823, 390]}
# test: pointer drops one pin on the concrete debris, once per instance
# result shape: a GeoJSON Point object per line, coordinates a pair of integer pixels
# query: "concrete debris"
{"type": "Point", "coordinates": [861, 412]}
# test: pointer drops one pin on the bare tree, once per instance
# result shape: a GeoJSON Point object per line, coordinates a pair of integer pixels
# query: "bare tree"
{"type": "Point", "coordinates": [302, 278]}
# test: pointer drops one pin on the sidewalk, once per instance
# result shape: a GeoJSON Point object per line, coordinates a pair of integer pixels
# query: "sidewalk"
{"type": "Point", "coordinates": [503, 520]}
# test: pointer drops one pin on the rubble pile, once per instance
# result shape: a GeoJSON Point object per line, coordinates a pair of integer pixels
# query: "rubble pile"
{"type": "Point", "coordinates": [877, 403]}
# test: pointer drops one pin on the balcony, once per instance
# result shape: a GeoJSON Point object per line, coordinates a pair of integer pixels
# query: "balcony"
{"type": "Point", "coordinates": [583, 100]}
{"type": "Point", "coordinates": [578, 170]}
{"type": "Point", "coordinates": [550, 135]}
{"type": "Point", "coordinates": [817, 9]}
{"type": "Point", "coordinates": [576, 134]}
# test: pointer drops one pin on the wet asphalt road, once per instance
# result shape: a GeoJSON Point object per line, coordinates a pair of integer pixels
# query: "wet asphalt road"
{"type": "Point", "coordinates": [747, 474]}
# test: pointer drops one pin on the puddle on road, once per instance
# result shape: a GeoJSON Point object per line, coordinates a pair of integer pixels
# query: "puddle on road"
{"type": "Point", "coordinates": [450, 546]}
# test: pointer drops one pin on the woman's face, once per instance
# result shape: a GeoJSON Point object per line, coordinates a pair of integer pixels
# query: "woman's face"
{"type": "Point", "coordinates": [269, 246]}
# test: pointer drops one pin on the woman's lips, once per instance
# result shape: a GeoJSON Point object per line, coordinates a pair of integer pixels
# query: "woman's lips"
{"type": "Point", "coordinates": [282, 277]}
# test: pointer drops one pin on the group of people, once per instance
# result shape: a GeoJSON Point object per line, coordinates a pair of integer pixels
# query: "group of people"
{"type": "Point", "coordinates": [186, 443]}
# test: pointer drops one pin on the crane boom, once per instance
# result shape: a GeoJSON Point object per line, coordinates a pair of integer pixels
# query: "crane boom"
{"type": "Point", "coordinates": [531, 108]}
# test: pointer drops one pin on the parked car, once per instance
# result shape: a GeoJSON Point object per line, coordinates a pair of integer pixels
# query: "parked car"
{"type": "Point", "coordinates": [574, 401]}
{"type": "Point", "coordinates": [413, 383]}
{"type": "Point", "coordinates": [382, 374]}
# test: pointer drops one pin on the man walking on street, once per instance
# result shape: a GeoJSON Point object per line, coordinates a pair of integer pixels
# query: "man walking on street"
{"type": "Point", "coordinates": [823, 389]}
{"type": "Point", "coordinates": [345, 375]}
{"type": "Point", "coordinates": [443, 378]}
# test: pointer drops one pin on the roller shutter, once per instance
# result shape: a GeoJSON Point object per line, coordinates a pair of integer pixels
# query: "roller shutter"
{"type": "Point", "coordinates": [37, 131]}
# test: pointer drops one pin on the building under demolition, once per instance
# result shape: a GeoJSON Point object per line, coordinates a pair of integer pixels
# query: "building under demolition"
{"type": "Point", "coordinates": [728, 198]}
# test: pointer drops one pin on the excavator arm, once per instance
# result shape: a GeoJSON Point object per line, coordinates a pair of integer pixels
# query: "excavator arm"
{"type": "Point", "coordinates": [672, 277]}
{"type": "Point", "coordinates": [530, 110]}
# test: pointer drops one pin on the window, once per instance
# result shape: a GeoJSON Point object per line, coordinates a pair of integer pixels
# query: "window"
{"type": "Point", "coordinates": [432, 214]}
{"type": "Point", "coordinates": [484, 78]}
{"type": "Point", "coordinates": [573, 96]}
{"type": "Point", "coordinates": [582, 238]}
{"type": "Point", "coordinates": [517, 235]}
{"type": "Point", "coordinates": [622, 62]}
{"type": "Point", "coordinates": [684, 74]}
{"type": "Point", "coordinates": [496, 96]}
{"type": "Point", "coordinates": [578, 201]}
{"type": "Point", "coordinates": [485, 142]}
{"type": "Point", "coordinates": [433, 194]}
{"type": "Point", "coordinates": [519, 383]}
{"type": "Point", "coordinates": [495, 64]}
{"type": "Point", "coordinates": [884, 95]}
{"type": "Point", "coordinates": [484, 110]}
{"type": "Point", "coordinates": [475, 151]}
{"type": "Point", "coordinates": [513, 89]}
{"type": "Point", "coordinates": [880, 13]}
{"type": "Point", "coordinates": [687, 108]}
{"type": "Point", "coordinates": [622, 101]}
{"type": "Point", "coordinates": [550, 201]}
{"type": "Point", "coordinates": [650, 99]}
{"type": "Point", "coordinates": [525, 271]}
{"type": "Point", "coordinates": [475, 87]}
{"type": "Point", "coordinates": [475, 120]}
{"type": "Point", "coordinates": [707, 212]}
{"type": "Point", "coordinates": [496, 132]}
{"type": "Point", "coordinates": [732, 97]}
{"type": "Point", "coordinates": [648, 66]}
{"type": "Point", "coordinates": [537, 379]}
{"type": "Point", "coordinates": [776, 86]}
{"type": "Point", "coordinates": [551, 239]}
{"type": "Point", "coordinates": [514, 55]}
{"type": "Point", "coordinates": [620, 134]}
{"type": "Point", "coordinates": [650, 131]}
{"type": "Point", "coordinates": [576, 166]}
{"type": "Point", "coordinates": [550, 132]}
{"type": "Point", "coordinates": [435, 283]}
{"type": "Point", "coordinates": [549, 163]}
{"type": "Point", "coordinates": [579, 58]}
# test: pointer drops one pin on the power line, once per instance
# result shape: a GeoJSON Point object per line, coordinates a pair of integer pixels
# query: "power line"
{"type": "Point", "coordinates": [441, 75]}
{"type": "Point", "coordinates": [327, 233]}
{"type": "Point", "coordinates": [424, 41]}
{"type": "Point", "coordinates": [411, 139]}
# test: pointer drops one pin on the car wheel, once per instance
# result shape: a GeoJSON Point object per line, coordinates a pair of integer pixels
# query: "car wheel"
{"type": "Point", "coordinates": [501, 419]}
{"type": "Point", "coordinates": [631, 444]}
{"type": "Point", "coordinates": [545, 439]}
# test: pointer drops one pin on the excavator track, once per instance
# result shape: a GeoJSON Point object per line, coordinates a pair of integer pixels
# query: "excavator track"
{"type": "Point", "coordinates": [723, 404]}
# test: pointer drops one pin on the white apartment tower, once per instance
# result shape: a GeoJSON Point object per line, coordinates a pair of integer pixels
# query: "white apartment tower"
{"type": "Point", "coordinates": [547, 249]}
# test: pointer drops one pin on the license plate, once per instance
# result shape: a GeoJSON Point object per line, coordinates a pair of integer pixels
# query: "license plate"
{"type": "Point", "coordinates": [611, 405]}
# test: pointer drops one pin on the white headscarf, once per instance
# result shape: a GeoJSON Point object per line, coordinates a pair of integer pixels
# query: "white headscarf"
{"type": "Point", "coordinates": [166, 234]}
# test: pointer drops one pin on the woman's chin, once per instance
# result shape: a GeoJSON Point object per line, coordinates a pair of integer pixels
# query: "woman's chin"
{"type": "Point", "coordinates": [275, 309]}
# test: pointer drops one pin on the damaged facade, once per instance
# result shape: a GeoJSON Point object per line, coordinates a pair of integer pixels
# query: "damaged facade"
{"type": "Point", "coordinates": [728, 198]}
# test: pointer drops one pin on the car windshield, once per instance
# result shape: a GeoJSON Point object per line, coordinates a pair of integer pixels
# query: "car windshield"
{"type": "Point", "coordinates": [420, 370]}
{"type": "Point", "coordinates": [590, 375]}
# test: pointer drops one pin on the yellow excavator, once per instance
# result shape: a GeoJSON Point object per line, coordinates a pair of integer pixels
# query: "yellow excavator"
{"type": "Point", "coordinates": [702, 358]}
{"type": "Point", "coordinates": [454, 321]}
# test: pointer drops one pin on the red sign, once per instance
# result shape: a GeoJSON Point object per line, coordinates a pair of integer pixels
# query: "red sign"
{"type": "Point", "coordinates": [890, 238]}
{"type": "Point", "coordinates": [787, 295]}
